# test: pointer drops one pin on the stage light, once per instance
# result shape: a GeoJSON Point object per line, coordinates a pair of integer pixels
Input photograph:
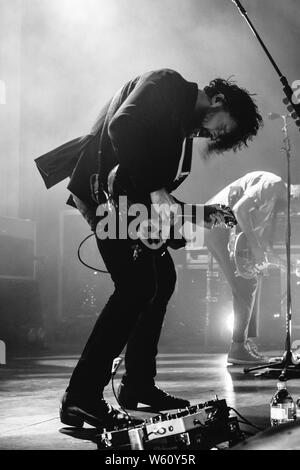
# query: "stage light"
{"type": "Point", "coordinates": [229, 322]}
{"type": "Point", "coordinates": [2, 353]}
{"type": "Point", "coordinates": [74, 10]}
{"type": "Point", "coordinates": [297, 268]}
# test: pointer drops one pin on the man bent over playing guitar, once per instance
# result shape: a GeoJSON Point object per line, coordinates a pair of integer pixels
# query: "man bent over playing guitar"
{"type": "Point", "coordinates": [142, 128]}
{"type": "Point", "coordinates": [255, 199]}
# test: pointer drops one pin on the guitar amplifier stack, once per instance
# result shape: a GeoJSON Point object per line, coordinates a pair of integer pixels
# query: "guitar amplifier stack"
{"type": "Point", "coordinates": [201, 313]}
{"type": "Point", "coordinates": [201, 307]}
{"type": "Point", "coordinates": [21, 317]}
{"type": "Point", "coordinates": [17, 249]}
{"type": "Point", "coordinates": [280, 249]}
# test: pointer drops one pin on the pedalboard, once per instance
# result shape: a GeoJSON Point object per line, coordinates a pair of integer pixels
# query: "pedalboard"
{"type": "Point", "coordinates": [201, 427]}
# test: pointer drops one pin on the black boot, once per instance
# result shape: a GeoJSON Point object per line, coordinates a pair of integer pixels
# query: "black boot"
{"type": "Point", "coordinates": [130, 396]}
{"type": "Point", "coordinates": [75, 411]}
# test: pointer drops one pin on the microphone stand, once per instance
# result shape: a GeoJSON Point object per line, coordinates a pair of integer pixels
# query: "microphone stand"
{"type": "Point", "coordinates": [288, 365]}
{"type": "Point", "coordinates": [292, 107]}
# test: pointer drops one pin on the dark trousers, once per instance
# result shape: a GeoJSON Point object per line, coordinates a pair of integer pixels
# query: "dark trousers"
{"type": "Point", "coordinates": [245, 292]}
{"type": "Point", "coordinates": [133, 315]}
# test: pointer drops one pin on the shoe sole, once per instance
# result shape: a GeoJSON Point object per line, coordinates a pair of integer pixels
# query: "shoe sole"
{"type": "Point", "coordinates": [129, 405]}
{"type": "Point", "coordinates": [77, 418]}
{"type": "Point", "coordinates": [238, 362]}
{"type": "Point", "coordinates": [133, 405]}
{"type": "Point", "coordinates": [70, 419]}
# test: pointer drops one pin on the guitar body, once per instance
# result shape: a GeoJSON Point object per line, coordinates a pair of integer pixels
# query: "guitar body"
{"type": "Point", "coordinates": [119, 184]}
{"type": "Point", "coordinates": [243, 260]}
{"type": "Point", "coordinates": [242, 257]}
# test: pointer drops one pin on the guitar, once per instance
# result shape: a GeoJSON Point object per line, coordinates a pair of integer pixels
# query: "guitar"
{"type": "Point", "coordinates": [151, 232]}
{"type": "Point", "coordinates": [243, 259]}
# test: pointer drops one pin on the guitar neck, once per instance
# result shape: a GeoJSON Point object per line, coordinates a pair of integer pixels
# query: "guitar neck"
{"type": "Point", "coordinates": [193, 213]}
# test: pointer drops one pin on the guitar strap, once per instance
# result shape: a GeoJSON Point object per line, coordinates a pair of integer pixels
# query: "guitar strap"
{"type": "Point", "coordinates": [186, 164]}
{"type": "Point", "coordinates": [231, 240]}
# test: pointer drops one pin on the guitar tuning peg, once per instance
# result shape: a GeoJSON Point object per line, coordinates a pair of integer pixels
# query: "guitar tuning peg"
{"type": "Point", "coordinates": [285, 101]}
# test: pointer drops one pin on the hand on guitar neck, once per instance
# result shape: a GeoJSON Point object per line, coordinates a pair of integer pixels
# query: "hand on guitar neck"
{"type": "Point", "coordinates": [170, 209]}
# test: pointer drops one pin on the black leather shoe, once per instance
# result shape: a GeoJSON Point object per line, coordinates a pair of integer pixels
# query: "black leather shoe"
{"type": "Point", "coordinates": [129, 397]}
{"type": "Point", "coordinates": [99, 414]}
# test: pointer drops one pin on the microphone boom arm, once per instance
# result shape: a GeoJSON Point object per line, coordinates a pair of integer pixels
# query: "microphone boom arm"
{"type": "Point", "coordinates": [287, 89]}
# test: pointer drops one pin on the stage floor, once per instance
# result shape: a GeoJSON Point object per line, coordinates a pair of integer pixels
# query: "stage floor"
{"type": "Point", "coordinates": [31, 387]}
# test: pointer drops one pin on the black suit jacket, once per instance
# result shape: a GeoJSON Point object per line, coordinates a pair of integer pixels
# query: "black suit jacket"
{"type": "Point", "coordinates": [142, 128]}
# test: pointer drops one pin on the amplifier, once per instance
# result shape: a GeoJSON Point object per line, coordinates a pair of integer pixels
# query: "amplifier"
{"type": "Point", "coordinates": [17, 248]}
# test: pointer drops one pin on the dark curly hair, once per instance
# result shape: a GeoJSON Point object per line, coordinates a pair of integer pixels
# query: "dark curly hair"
{"type": "Point", "coordinates": [243, 109]}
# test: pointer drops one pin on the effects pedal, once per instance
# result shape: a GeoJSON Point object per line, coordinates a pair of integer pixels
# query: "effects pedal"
{"type": "Point", "coordinates": [201, 427]}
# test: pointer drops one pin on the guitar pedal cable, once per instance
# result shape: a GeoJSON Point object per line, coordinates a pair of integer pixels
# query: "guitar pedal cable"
{"type": "Point", "coordinates": [83, 262]}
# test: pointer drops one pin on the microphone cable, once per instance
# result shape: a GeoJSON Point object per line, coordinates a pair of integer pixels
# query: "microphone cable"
{"type": "Point", "coordinates": [116, 364]}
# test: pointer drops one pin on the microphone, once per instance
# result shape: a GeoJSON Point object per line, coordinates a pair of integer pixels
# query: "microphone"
{"type": "Point", "coordinates": [116, 364]}
{"type": "Point", "coordinates": [273, 116]}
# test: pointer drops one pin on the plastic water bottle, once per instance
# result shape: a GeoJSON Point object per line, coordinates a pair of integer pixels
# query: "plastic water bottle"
{"type": "Point", "coordinates": [282, 406]}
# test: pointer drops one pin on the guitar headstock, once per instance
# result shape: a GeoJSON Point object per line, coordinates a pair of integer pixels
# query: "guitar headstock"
{"type": "Point", "coordinates": [219, 214]}
{"type": "Point", "coordinates": [228, 216]}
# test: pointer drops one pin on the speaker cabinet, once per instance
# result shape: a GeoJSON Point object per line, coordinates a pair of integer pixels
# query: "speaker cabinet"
{"type": "Point", "coordinates": [21, 321]}
{"type": "Point", "coordinates": [17, 249]}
